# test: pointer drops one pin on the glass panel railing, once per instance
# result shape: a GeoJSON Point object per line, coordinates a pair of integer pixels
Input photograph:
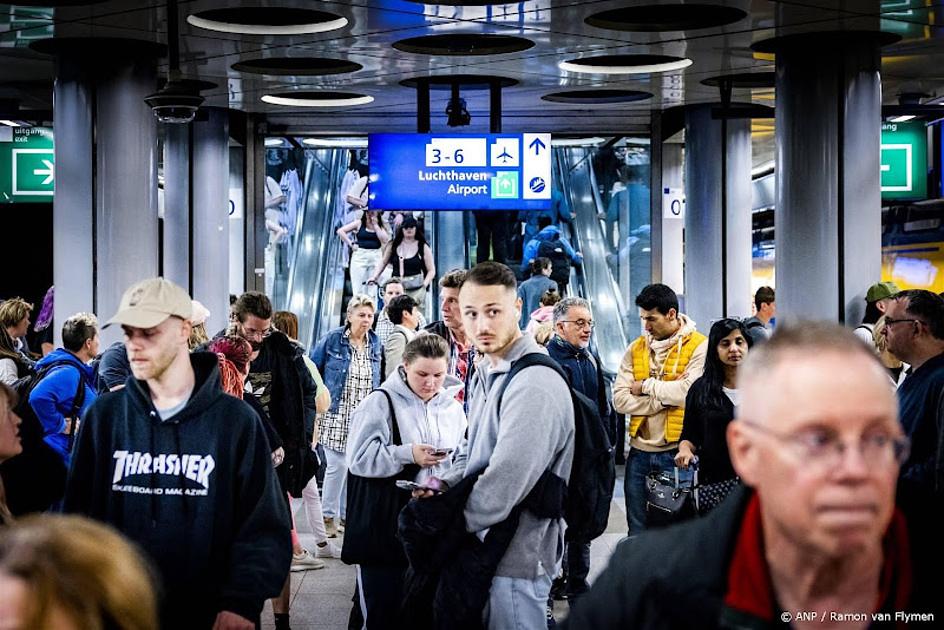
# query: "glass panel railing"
{"type": "Point", "coordinates": [597, 282]}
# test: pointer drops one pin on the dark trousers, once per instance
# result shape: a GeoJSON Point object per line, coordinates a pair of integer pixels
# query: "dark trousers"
{"type": "Point", "coordinates": [492, 228]}
{"type": "Point", "coordinates": [381, 593]}
{"type": "Point", "coordinates": [577, 563]}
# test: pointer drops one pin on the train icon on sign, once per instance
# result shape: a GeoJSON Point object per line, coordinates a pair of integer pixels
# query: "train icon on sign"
{"type": "Point", "coordinates": [537, 184]}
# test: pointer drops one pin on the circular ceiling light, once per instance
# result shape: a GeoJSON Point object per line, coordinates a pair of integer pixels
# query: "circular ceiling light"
{"type": "Point", "coordinates": [753, 80]}
{"type": "Point", "coordinates": [659, 18]}
{"type": "Point", "coordinates": [267, 21]}
{"type": "Point", "coordinates": [463, 44]}
{"type": "Point", "coordinates": [296, 66]}
{"type": "Point", "coordinates": [596, 97]}
{"type": "Point", "coordinates": [317, 99]}
{"type": "Point", "coordinates": [625, 64]}
{"type": "Point", "coordinates": [466, 82]}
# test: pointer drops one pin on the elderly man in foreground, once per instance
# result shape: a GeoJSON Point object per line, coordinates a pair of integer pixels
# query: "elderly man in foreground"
{"type": "Point", "coordinates": [813, 539]}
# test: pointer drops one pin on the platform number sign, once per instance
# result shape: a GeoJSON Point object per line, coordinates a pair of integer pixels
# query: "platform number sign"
{"type": "Point", "coordinates": [904, 160]}
{"type": "Point", "coordinates": [27, 165]}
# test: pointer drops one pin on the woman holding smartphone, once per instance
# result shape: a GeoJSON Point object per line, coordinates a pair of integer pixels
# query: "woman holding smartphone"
{"type": "Point", "coordinates": [420, 397]}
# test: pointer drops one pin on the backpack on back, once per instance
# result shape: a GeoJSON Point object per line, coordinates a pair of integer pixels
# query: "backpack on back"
{"type": "Point", "coordinates": [593, 474]}
{"type": "Point", "coordinates": [560, 261]}
{"type": "Point", "coordinates": [35, 480]}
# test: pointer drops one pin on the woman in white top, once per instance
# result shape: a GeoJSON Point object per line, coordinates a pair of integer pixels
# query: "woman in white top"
{"type": "Point", "coordinates": [411, 258]}
{"type": "Point", "coordinates": [366, 237]}
{"type": "Point", "coordinates": [12, 364]}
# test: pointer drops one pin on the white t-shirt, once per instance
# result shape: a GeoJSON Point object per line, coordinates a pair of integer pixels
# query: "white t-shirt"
{"type": "Point", "coordinates": [8, 371]}
{"type": "Point", "coordinates": [733, 395]}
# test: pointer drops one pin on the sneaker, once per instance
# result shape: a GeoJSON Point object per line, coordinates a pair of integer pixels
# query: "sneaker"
{"type": "Point", "coordinates": [304, 561]}
{"type": "Point", "coordinates": [330, 530]}
{"type": "Point", "coordinates": [551, 621]}
{"type": "Point", "coordinates": [559, 589]}
{"type": "Point", "coordinates": [330, 550]}
{"type": "Point", "coordinates": [341, 527]}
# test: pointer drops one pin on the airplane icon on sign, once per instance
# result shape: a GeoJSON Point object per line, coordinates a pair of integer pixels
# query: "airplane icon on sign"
{"type": "Point", "coordinates": [504, 156]}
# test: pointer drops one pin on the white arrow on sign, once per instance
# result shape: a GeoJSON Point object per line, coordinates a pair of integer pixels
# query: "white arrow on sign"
{"type": "Point", "coordinates": [49, 172]}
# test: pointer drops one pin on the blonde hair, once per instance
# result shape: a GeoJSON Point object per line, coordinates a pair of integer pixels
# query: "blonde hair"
{"type": "Point", "coordinates": [543, 333]}
{"type": "Point", "coordinates": [888, 359]}
{"type": "Point", "coordinates": [13, 311]}
{"type": "Point", "coordinates": [198, 336]}
{"type": "Point", "coordinates": [360, 300]}
{"type": "Point", "coordinates": [83, 569]}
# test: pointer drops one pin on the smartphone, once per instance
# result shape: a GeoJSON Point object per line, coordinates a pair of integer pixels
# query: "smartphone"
{"type": "Point", "coordinates": [441, 452]}
{"type": "Point", "coordinates": [412, 485]}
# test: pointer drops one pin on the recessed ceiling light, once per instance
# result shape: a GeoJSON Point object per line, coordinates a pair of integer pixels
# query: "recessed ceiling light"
{"type": "Point", "coordinates": [11, 123]}
{"type": "Point", "coordinates": [267, 21]}
{"type": "Point", "coordinates": [274, 142]}
{"type": "Point", "coordinates": [659, 18]}
{"type": "Point", "coordinates": [462, 44]}
{"type": "Point", "coordinates": [296, 66]}
{"type": "Point", "coordinates": [340, 143]}
{"type": "Point", "coordinates": [625, 64]}
{"type": "Point", "coordinates": [317, 99]}
{"type": "Point", "coordinates": [596, 97]}
{"type": "Point", "coordinates": [895, 119]}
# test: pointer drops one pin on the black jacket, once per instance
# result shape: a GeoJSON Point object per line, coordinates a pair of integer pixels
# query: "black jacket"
{"type": "Point", "coordinates": [706, 427]}
{"type": "Point", "coordinates": [675, 578]}
{"type": "Point", "coordinates": [196, 492]}
{"type": "Point", "coordinates": [292, 411]}
{"type": "Point", "coordinates": [451, 570]}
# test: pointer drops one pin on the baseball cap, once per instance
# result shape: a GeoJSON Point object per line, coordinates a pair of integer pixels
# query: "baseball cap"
{"type": "Point", "coordinates": [880, 291]}
{"type": "Point", "coordinates": [200, 313]}
{"type": "Point", "coordinates": [149, 302]}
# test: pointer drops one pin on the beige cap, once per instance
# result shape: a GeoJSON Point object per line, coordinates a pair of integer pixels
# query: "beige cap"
{"type": "Point", "coordinates": [200, 313]}
{"type": "Point", "coordinates": [149, 302]}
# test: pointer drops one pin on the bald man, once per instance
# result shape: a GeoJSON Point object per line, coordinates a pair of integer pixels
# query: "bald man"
{"type": "Point", "coordinates": [814, 528]}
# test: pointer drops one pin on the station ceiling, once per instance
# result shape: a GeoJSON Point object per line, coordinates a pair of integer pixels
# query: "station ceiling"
{"type": "Point", "coordinates": [554, 31]}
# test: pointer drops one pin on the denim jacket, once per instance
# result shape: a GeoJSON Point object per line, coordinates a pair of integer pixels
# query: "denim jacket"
{"type": "Point", "coordinates": [332, 355]}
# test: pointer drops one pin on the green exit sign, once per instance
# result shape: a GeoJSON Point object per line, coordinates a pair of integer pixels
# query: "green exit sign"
{"type": "Point", "coordinates": [904, 160]}
{"type": "Point", "coordinates": [27, 165]}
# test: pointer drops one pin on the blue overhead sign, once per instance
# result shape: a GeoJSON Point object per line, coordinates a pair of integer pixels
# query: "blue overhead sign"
{"type": "Point", "coordinates": [460, 172]}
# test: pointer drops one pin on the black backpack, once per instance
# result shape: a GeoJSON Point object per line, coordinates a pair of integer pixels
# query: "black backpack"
{"type": "Point", "coordinates": [593, 474]}
{"type": "Point", "coordinates": [560, 261]}
{"type": "Point", "coordinates": [35, 480]}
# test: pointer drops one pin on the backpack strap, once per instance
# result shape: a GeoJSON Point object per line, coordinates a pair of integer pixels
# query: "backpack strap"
{"type": "Point", "coordinates": [528, 360]}
{"type": "Point", "coordinates": [394, 425]}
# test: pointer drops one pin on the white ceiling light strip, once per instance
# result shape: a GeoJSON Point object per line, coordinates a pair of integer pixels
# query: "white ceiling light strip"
{"type": "Point", "coordinates": [586, 68]}
{"type": "Point", "coordinates": [286, 101]}
{"type": "Point", "coordinates": [266, 29]}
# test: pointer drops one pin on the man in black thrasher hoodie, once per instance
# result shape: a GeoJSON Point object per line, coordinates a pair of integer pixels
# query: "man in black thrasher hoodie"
{"type": "Point", "coordinates": [184, 471]}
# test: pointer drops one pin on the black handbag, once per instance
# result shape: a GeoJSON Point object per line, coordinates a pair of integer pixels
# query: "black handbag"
{"type": "Point", "coordinates": [373, 507]}
{"type": "Point", "coordinates": [667, 501]}
{"type": "Point", "coordinates": [709, 495]}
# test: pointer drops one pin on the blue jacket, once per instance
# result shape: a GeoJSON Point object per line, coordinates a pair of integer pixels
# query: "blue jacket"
{"type": "Point", "coordinates": [581, 369]}
{"type": "Point", "coordinates": [549, 233]}
{"type": "Point", "coordinates": [558, 213]}
{"type": "Point", "coordinates": [332, 355]}
{"type": "Point", "coordinates": [52, 397]}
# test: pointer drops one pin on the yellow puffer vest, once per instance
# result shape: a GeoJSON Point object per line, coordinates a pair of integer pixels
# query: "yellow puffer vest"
{"type": "Point", "coordinates": [674, 367]}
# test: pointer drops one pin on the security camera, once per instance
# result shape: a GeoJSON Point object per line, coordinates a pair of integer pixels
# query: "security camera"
{"type": "Point", "coordinates": [175, 103]}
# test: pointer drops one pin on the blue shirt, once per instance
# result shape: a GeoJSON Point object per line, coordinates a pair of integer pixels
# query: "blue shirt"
{"type": "Point", "coordinates": [918, 407]}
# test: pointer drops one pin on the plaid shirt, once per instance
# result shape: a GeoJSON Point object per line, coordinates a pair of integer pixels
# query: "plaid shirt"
{"type": "Point", "coordinates": [334, 425]}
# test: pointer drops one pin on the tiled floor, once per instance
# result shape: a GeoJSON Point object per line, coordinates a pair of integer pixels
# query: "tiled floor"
{"type": "Point", "coordinates": [321, 600]}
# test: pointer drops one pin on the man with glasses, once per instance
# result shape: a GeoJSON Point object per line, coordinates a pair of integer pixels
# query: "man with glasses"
{"type": "Point", "coordinates": [570, 347]}
{"type": "Point", "coordinates": [914, 329]}
{"type": "Point", "coordinates": [813, 531]}
{"type": "Point", "coordinates": [284, 386]}
{"type": "Point", "coordinates": [654, 377]}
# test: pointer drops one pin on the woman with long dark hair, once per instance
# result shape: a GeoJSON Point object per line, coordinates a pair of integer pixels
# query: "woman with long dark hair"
{"type": "Point", "coordinates": [411, 258]}
{"type": "Point", "coordinates": [711, 402]}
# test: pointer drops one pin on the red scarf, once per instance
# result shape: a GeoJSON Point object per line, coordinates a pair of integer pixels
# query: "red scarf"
{"type": "Point", "coordinates": [751, 591]}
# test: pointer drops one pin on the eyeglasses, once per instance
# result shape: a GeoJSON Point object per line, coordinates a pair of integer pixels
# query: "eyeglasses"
{"type": "Point", "coordinates": [580, 323]}
{"type": "Point", "coordinates": [824, 448]}
{"type": "Point", "coordinates": [889, 322]}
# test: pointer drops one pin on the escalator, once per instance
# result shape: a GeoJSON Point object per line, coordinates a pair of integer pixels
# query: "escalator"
{"type": "Point", "coordinates": [595, 280]}
{"type": "Point", "coordinates": [315, 281]}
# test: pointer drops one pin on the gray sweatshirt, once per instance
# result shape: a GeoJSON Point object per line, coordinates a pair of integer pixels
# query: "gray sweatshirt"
{"type": "Point", "coordinates": [535, 432]}
{"type": "Point", "coordinates": [440, 422]}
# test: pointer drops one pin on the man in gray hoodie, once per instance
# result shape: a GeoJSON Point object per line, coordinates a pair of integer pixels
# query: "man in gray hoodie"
{"type": "Point", "coordinates": [534, 433]}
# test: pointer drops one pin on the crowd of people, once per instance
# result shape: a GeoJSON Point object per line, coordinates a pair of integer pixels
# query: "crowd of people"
{"type": "Point", "coordinates": [468, 463]}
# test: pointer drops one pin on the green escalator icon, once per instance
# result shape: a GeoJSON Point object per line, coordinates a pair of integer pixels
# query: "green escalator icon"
{"type": "Point", "coordinates": [505, 185]}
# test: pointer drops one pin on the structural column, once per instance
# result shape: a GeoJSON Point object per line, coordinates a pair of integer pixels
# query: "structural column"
{"type": "Point", "coordinates": [105, 207]}
{"type": "Point", "coordinates": [176, 246]}
{"type": "Point", "coordinates": [828, 189]}
{"type": "Point", "coordinates": [717, 216]}
{"type": "Point", "coordinates": [210, 187]}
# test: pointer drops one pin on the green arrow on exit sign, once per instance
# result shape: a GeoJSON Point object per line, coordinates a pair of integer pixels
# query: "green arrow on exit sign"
{"type": "Point", "coordinates": [34, 171]}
